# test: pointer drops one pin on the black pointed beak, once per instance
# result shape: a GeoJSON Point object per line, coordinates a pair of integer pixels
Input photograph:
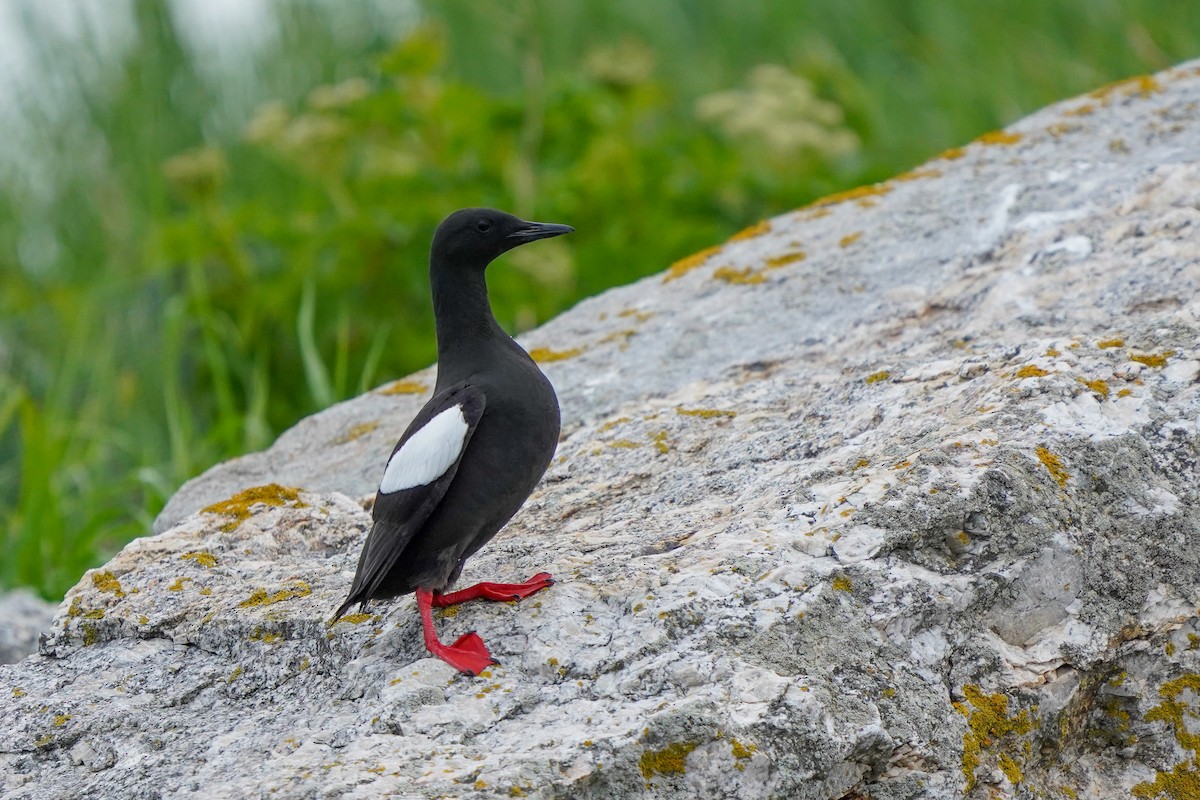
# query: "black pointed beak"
{"type": "Point", "coordinates": [532, 231]}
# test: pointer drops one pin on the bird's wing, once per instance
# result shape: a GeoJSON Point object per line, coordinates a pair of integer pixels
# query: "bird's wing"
{"type": "Point", "coordinates": [418, 472]}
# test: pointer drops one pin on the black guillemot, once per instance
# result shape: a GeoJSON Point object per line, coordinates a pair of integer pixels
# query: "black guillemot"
{"type": "Point", "coordinates": [476, 450]}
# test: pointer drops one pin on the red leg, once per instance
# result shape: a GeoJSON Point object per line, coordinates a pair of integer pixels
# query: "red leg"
{"type": "Point", "coordinates": [469, 654]}
{"type": "Point", "coordinates": [495, 591]}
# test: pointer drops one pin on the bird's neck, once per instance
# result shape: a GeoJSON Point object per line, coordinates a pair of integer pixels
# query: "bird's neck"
{"type": "Point", "coordinates": [463, 314]}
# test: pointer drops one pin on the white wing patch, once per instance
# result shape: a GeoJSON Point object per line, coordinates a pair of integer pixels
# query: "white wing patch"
{"type": "Point", "coordinates": [428, 453]}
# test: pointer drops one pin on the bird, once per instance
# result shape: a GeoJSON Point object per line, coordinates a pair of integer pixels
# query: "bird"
{"type": "Point", "coordinates": [473, 454]}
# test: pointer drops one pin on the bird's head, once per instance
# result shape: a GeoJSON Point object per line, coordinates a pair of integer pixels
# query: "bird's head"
{"type": "Point", "coordinates": [475, 236]}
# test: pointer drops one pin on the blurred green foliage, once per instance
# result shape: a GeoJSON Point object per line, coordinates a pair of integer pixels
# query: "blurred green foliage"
{"type": "Point", "coordinates": [184, 275]}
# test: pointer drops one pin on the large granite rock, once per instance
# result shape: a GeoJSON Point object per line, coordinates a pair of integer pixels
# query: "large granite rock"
{"type": "Point", "coordinates": [893, 496]}
{"type": "Point", "coordinates": [23, 616]}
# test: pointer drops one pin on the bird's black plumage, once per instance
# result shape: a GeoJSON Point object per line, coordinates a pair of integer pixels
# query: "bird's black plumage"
{"type": "Point", "coordinates": [488, 432]}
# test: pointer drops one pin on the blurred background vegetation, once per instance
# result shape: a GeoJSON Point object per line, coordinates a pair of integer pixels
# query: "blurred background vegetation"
{"type": "Point", "coordinates": [215, 216]}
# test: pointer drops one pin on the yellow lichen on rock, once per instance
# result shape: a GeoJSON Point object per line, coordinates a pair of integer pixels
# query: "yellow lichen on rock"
{"type": "Point", "coordinates": [1152, 359]}
{"type": "Point", "coordinates": [775, 262]}
{"type": "Point", "coordinates": [1183, 781]}
{"type": "Point", "coordinates": [988, 724]}
{"type": "Point", "coordinates": [1055, 466]}
{"type": "Point", "coordinates": [544, 355]}
{"type": "Point", "coordinates": [744, 276]}
{"type": "Point", "coordinates": [260, 597]}
{"type": "Point", "coordinates": [668, 761]}
{"type": "Point", "coordinates": [918, 174]}
{"type": "Point", "coordinates": [203, 559]}
{"type": "Point", "coordinates": [357, 431]}
{"type": "Point", "coordinates": [685, 265]}
{"type": "Point", "coordinates": [1137, 86]}
{"type": "Point", "coordinates": [999, 138]}
{"type": "Point", "coordinates": [238, 506]}
{"type": "Point", "coordinates": [858, 193]}
{"type": "Point", "coordinates": [705, 413]}
{"type": "Point", "coordinates": [757, 229]}
{"type": "Point", "coordinates": [404, 387]}
{"type": "Point", "coordinates": [107, 583]}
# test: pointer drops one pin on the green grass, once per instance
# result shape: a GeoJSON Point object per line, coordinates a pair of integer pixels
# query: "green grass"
{"type": "Point", "coordinates": [188, 269]}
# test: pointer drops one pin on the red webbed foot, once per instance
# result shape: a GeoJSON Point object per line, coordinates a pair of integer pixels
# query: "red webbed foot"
{"type": "Point", "coordinates": [468, 654]}
{"type": "Point", "coordinates": [501, 592]}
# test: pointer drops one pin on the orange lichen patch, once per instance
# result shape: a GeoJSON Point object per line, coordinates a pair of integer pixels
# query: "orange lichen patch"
{"type": "Point", "coordinates": [1031, 371]}
{"type": "Point", "coordinates": [757, 229]}
{"type": "Point", "coordinates": [1104, 344]}
{"type": "Point", "coordinates": [849, 239]}
{"type": "Point", "coordinates": [639, 316]}
{"type": "Point", "coordinates": [1139, 85]}
{"type": "Point", "coordinates": [747, 276]}
{"type": "Point", "coordinates": [1080, 111]}
{"type": "Point", "coordinates": [1000, 138]}
{"type": "Point", "coordinates": [355, 619]}
{"type": "Point", "coordinates": [842, 583]}
{"type": "Point", "coordinates": [1053, 352]}
{"type": "Point", "coordinates": [356, 431]}
{"type": "Point", "coordinates": [877, 377]}
{"type": "Point", "coordinates": [107, 583]}
{"type": "Point", "coordinates": [1100, 387]}
{"type": "Point", "coordinates": [858, 193]}
{"type": "Point", "coordinates": [705, 413]}
{"type": "Point", "coordinates": [660, 442]}
{"type": "Point", "coordinates": [685, 265]}
{"type": "Point", "coordinates": [1124, 392]}
{"type": "Point", "coordinates": [775, 262]}
{"type": "Point", "coordinates": [1152, 360]}
{"type": "Point", "coordinates": [177, 586]}
{"type": "Point", "coordinates": [404, 387]}
{"type": "Point", "coordinates": [1054, 465]}
{"type": "Point", "coordinates": [238, 506]}
{"type": "Point", "coordinates": [203, 559]}
{"type": "Point", "coordinates": [953, 154]}
{"type": "Point", "coordinates": [918, 174]}
{"type": "Point", "coordinates": [815, 213]}
{"type": "Point", "coordinates": [544, 355]}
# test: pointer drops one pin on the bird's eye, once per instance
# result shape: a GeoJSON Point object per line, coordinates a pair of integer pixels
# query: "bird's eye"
{"type": "Point", "coordinates": [483, 226]}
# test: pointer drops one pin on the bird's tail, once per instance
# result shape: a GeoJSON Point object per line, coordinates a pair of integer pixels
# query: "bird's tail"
{"type": "Point", "coordinates": [344, 607]}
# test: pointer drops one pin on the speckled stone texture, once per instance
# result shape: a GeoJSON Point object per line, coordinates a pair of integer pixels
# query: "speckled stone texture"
{"type": "Point", "coordinates": [894, 496]}
{"type": "Point", "coordinates": [23, 616]}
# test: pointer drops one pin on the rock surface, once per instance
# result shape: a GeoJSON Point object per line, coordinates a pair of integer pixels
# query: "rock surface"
{"type": "Point", "coordinates": [893, 496]}
{"type": "Point", "coordinates": [23, 616]}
